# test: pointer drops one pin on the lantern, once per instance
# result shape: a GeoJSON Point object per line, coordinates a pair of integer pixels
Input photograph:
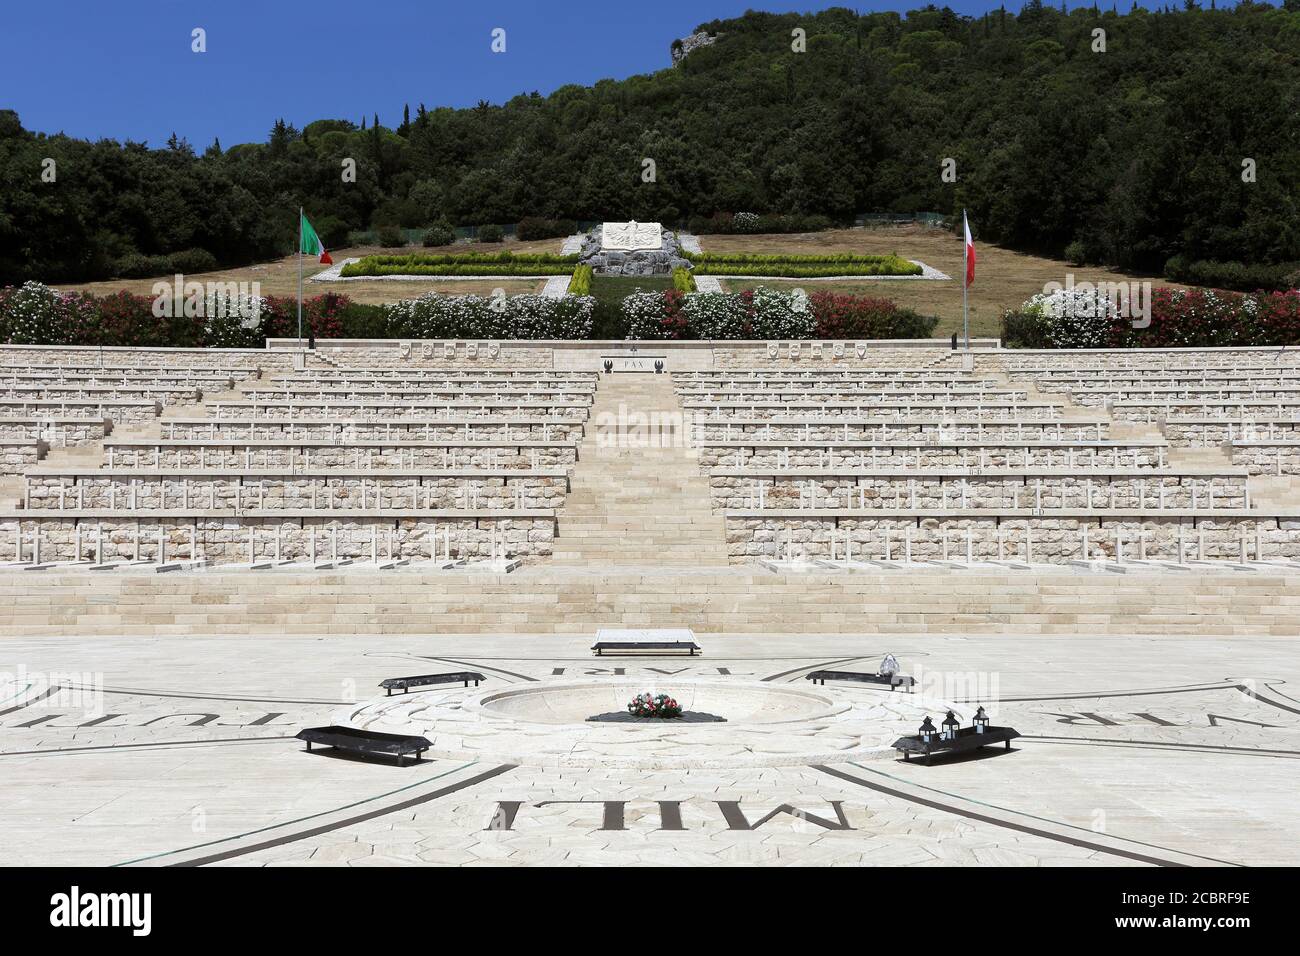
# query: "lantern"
{"type": "Point", "coordinates": [949, 727]}
{"type": "Point", "coordinates": [981, 720]}
{"type": "Point", "coordinates": [927, 730]}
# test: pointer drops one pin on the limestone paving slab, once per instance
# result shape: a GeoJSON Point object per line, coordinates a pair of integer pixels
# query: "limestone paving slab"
{"type": "Point", "coordinates": [1136, 751]}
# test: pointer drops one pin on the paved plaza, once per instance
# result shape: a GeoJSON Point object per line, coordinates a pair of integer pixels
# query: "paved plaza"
{"type": "Point", "coordinates": [1135, 751]}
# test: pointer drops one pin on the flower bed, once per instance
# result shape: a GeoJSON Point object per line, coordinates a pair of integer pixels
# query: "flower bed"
{"type": "Point", "coordinates": [658, 706]}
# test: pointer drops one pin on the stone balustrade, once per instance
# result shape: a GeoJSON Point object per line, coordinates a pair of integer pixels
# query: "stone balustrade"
{"type": "Point", "coordinates": [955, 491]}
{"type": "Point", "coordinates": [55, 431]}
{"type": "Point", "coordinates": [1053, 538]}
{"type": "Point", "coordinates": [317, 537]}
{"type": "Point", "coordinates": [346, 432]}
{"type": "Point", "coordinates": [850, 429]}
{"type": "Point", "coordinates": [119, 410]}
{"type": "Point", "coordinates": [970, 456]}
{"type": "Point", "coordinates": [134, 490]}
{"type": "Point", "coordinates": [305, 454]}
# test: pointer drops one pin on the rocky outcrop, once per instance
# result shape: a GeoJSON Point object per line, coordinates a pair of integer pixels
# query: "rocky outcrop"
{"type": "Point", "coordinates": [642, 262]}
{"type": "Point", "coordinates": [687, 45]}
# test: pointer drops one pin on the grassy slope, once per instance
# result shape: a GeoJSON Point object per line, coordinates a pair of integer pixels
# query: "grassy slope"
{"type": "Point", "coordinates": [1003, 279]}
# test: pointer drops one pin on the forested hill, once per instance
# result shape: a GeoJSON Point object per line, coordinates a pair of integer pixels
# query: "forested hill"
{"type": "Point", "coordinates": [1136, 153]}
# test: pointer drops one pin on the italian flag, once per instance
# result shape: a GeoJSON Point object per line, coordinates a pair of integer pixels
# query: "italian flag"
{"type": "Point", "coordinates": [970, 250]}
{"type": "Point", "coordinates": [309, 243]}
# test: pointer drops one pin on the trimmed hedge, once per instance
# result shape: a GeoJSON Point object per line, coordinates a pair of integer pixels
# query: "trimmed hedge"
{"type": "Point", "coordinates": [800, 265]}
{"type": "Point", "coordinates": [580, 284]}
{"type": "Point", "coordinates": [463, 264]}
{"type": "Point", "coordinates": [683, 280]}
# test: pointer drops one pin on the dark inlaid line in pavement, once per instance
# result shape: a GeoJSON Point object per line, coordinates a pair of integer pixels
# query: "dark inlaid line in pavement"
{"type": "Point", "coordinates": [141, 745]}
{"type": "Point", "coordinates": [1012, 825]}
{"type": "Point", "coordinates": [125, 692]}
{"type": "Point", "coordinates": [349, 821]}
{"type": "Point", "coordinates": [495, 670]}
{"type": "Point", "coordinates": [1166, 745]}
{"type": "Point", "coordinates": [821, 665]}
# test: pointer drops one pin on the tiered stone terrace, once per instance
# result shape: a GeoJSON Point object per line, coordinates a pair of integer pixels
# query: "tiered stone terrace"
{"type": "Point", "coordinates": [755, 486]}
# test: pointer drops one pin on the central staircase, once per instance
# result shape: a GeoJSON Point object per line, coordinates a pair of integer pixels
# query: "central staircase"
{"type": "Point", "coordinates": [638, 498]}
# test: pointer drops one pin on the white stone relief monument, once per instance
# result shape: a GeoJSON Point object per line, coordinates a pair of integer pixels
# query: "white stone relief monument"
{"type": "Point", "coordinates": [631, 236]}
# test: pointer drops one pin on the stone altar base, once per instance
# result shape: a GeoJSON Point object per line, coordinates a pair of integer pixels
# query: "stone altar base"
{"type": "Point", "coordinates": [632, 262]}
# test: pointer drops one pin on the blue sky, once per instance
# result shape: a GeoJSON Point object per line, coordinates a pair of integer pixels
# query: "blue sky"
{"type": "Point", "coordinates": [125, 70]}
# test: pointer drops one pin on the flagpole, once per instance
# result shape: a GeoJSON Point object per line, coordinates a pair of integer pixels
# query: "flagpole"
{"type": "Point", "coordinates": [965, 274]}
{"type": "Point", "coordinates": [300, 277]}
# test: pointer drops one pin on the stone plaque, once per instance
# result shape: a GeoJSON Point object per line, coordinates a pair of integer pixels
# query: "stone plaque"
{"type": "Point", "coordinates": [634, 363]}
{"type": "Point", "coordinates": [631, 236]}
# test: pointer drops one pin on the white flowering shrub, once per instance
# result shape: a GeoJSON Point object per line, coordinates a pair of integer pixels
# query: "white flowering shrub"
{"type": "Point", "coordinates": [434, 316]}
{"type": "Point", "coordinates": [764, 313]}
{"type": "Point", "coordinates": [715, 315]}
{"type": "Point", "coordinates": [35, 314]}
{"type": "Point", "coordinates": [745, 222]}
{"type": "Point", "coordinates": [1074, 318]}
{"type": "Point", "coordinates": [233, 321]}
{"type": "Point", "coordinates": [781, 315]}
{"type": "Point", "coordinates": [647, 316]}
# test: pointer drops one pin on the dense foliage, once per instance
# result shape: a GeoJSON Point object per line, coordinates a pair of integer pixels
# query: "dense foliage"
{"type": "Point", "coordinates": [1129, 157]}
{"type": "Point", "coordinates": [770, 314]}
{"type": "Point", "coordinates": [1180, 318]}
{"type": "Point", "coordinates": [33, 314]}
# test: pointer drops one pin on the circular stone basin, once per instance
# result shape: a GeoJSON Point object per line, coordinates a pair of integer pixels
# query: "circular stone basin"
{"type": "Point", "coordinates": [734, 702]}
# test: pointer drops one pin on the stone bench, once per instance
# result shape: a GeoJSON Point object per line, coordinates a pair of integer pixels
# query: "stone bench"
{"type": "Point", "coordinates": [366, 741]}
{"type": "Point", "coordinates": [965, 739]}
{"type": "Point", "coordinates": [690, 648]}
{"type": "Point", "coordinates": [886, 680]}
{"type": "Point", "coordinates": [404, 684]}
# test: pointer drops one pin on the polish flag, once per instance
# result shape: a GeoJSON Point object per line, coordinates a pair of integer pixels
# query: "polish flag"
{"type": "Point", "coordinates": [970, 251]}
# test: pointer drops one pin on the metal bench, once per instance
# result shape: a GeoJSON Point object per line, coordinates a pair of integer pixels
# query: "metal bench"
{"type": "Point", "coordinates": [890, 680]}
{"type": "Point", "coordinates": [965, 739]}
{"type": "Point", "coordinates": [646, 647]}
{"type": "Point", "coordinates": [404, 684]}
{"type": "Point", "coordinates": [365, 741]}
